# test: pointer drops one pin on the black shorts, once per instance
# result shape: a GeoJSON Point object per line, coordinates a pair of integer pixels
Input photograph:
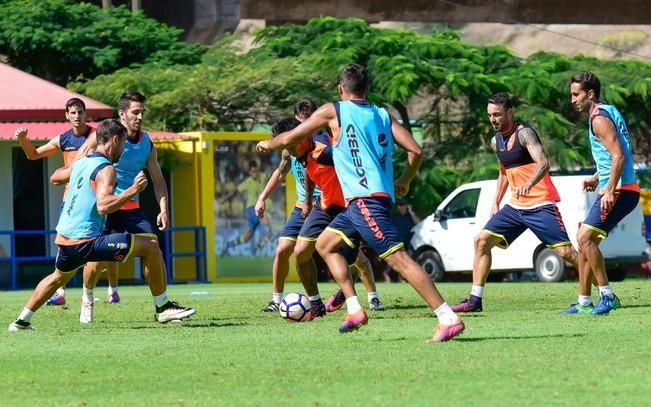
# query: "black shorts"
{"type": "Point", "coordinates": [114, 247]}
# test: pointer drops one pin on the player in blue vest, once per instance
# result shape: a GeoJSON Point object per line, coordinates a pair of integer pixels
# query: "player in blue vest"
{"type": "Point", "coordinates": [363, 142]}
{"type": "Point", "coordinates": [288, 235]}
{"type": "Point", "coordinates": [139, 154]}
{"type": "Point", "coordinates": [616, 184]}
{"type": "Point", "coordinates": [68, 143]}
{"type": "Point", "coordinates": [79, 231]}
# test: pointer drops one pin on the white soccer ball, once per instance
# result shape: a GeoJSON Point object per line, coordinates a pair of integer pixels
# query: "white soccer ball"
{"type": "Point", "coordinates": [294, 307]}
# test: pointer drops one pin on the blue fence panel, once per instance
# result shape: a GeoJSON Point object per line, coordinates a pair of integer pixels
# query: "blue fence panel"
{"type": "Point", "coordinates": [199, 252]}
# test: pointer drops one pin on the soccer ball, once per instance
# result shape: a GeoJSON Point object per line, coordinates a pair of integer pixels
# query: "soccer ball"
{"type": "Point", "coordinates": [294, 307]}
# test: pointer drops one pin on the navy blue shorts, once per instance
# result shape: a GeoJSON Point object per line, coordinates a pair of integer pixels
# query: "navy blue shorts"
{"type": "Point", "coordinates": [369, 219]}
{"type": "Point", "coordinates": [293, 225]}
{"type": "Point", "coordinates": [604, 222]}
{"type": "Point", "coordinates": [128, 221]}
{"type": "Point", "coordinates": [113, 247]}
{"type": "Point", "coordinates": [252, 218]}
{"type": "Point", "coordinates": [544, 221]}
{"type": "Point", "coordinates": [318, 220]}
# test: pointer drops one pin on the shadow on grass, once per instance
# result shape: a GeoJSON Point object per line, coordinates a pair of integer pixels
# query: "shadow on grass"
{"type": "Point", "coordinates": [189, 324]}
{"type": "Point", "coordinates": [636, 306]}
{"type": "Point", "coordinates": [489, 338]}
{"type": "Point", "coordinates": [408, 306]}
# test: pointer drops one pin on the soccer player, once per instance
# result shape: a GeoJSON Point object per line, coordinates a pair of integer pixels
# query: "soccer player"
{"type": "Point", "coordinates": [139, 153]}
{"type": "Point", "coordinates": [302, 110]}
{"type": "Point", "coordinates": [316, 153]}
{"type": "Point", "coordinates": [525, 170]}
{"type": "Point", "coordinates": [615, 181]}
{"type": "Point", "coordinates": [68, 143]}
{"type": "Point", "coordinates": [252, 186]}
{"type": "Point", "coordinates": [80, 237]}
{"type": "Point", "coordinates": [363, 141]}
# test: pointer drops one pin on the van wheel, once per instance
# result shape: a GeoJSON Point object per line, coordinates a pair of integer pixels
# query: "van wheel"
{"type": "Point", "coordinates": [618, 274]}
{"type": "Point", "coordinates": [431, 262]}
{"type": "Point", "coordinates": [549, 266]}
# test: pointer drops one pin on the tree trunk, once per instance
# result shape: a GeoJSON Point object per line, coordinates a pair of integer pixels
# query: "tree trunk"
{"type": "Point", "coordinates": [136, 5]}
{"type": "Point", "coordinates": [404, 116]}
{"type": "Point", "coordinates": [106, 3]}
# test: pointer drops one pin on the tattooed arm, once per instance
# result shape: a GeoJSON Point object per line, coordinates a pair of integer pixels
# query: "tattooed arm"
{"type": "Point", "coordinates": [529, 139]}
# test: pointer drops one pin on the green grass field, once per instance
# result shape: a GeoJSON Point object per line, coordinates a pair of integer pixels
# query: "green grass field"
{"type": "Point", "coordinates": [519, 351]}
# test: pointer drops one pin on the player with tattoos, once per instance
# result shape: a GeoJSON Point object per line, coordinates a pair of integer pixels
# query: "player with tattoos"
{"type": "Point", "coordinates": [525, 169]}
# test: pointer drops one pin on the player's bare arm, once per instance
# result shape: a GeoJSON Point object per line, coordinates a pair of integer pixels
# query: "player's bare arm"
{"type": "Point", "coordinates": [33, 153]}
{"type": "Point", "coordinates": [414, 156]}
{"type": "Point", "coordinates": [274, 182]}
{"type": "Point", "coordinates": [309, 191]}
{"type": "Point", "coordinates": [529, 139]}
{"type": "Point", "coordinates": [604, 129]}
{"type": "Point", "coordinates": [105, 182]}
{"type": "Point", "coordinates": [160, 189]}
{"type": "Point", "coordinates": [323, 117]}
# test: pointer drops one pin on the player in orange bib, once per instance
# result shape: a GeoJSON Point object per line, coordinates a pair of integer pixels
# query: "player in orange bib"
{"type": "Point", "coordinates": [523, 168]}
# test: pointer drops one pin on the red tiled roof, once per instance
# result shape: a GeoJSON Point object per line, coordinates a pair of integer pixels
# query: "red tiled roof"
{"type": "Point", "coordinates": [26, 97]}
{"type": "Point", "coordinates": [48, 130]}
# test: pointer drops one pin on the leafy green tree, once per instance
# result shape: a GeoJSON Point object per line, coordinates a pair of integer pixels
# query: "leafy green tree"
{"type": "Point", "coordinates": [61, 41]}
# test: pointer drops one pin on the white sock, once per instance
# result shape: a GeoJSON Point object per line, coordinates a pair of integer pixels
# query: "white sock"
{"type": "Point", "coordinates": [26, 315]}
{"type": "Point", "coordinates": [477, 291]}
{"type": "Point", "coordinates": [61, 291]}
{"type": "Point", "coordinates": [373, 294]}
{"type": "Point", "coordinates": [353, 305]}
{"type": "Point", "coordinates": [87, 295]}
{"type": "Point", "coordinates": [160, 300]}
{"type": "Point", "coordinates": [584, 300]}
{"type": "Point", "coordinates": [277, 297]}
{"type": "Point", "coordinates": [445, 314]}
{"type": "Point", "coordinates": [313, 298]}
{"type": "Point", "coordinates": [605, 290]}
{"type": "Point", "coordinates": [112, 290]}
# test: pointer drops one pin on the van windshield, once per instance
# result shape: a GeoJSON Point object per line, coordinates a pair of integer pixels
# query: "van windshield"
{"type": "Point", "coordinates": [464, 205]}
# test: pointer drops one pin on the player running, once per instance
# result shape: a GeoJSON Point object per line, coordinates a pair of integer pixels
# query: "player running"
{"type": "Point", "coordinates": [287, 240]}
{"type": "Point", "coordinates": [79, 231]}
{"type": "Point", "coordinates": [363, 141]}
{"type": "Point", "coordinates": [523, 168]}
{"type": "Point", "coordinates": [139, 153]}
{"type": "Point", "coordinates": [68, 144]}
{"type": "Point", "coordinates": [615, 181]}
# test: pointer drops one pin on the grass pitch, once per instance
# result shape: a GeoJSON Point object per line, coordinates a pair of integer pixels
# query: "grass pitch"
{"type": "Point", "coordinates": [519, 351]}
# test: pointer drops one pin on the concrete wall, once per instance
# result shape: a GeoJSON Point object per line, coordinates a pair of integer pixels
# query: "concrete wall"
{"type": "Point", "coordinates": [454, 11]}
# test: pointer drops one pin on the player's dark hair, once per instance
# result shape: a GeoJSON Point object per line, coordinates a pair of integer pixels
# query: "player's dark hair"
{"type": "Point", "coordinates": [500, 99]}
{"type": "Point", "coordinates": [284, 125]}
{"type": "Point", "coordinates": [253, 164]}
{"type": "Point", "coordinates": [304, 109]}
{"type": "Point", "coordinates": [588, 81]}
{"type": "Point", "coordinates": [354, 78]}
{"type": "Point", "coordinates": [75, 102]}
{"type": "Point", "coordinates": [130, 96]}
{"type": "Point", "coordinates": [108, 128]}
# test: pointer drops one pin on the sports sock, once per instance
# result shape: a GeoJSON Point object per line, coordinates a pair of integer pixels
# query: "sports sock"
{"type": "Point", "coordinates": [373, 294]}
{"type": "Point", "coordinates": [445, 314]}
{"type": "Point", "coordinates": [353, 305]}
{"type": "Point", "coordinates": [605, 290]}
{"type": "Point", "coordinates": [25, 315]}
{"type": "Point", "coordinates": [61, 291]}
{"type": "Point", "coordinates": [315, 299]}
{"type": "Point", "coordinates": [112, 290]}
{"type": "Point", "coordinates": [477, 291]}
{"type": "Point", "coordinates": [87, 295]}
{"type": "Point", "coordinates": [584, 300]}
{"type": "Point", "coordinates": [160, 300]}
{"type": "Point", "coordinates": [277, 297]}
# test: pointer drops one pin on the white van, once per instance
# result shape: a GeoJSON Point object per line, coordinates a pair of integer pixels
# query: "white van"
{"type": "Point", "coordinates": [444, 241]}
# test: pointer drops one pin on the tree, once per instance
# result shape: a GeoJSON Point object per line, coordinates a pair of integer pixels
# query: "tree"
{"type": "Point", "coordinates": [452, 80]}
{"type": "Point", "coordinates": [62, 41]}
